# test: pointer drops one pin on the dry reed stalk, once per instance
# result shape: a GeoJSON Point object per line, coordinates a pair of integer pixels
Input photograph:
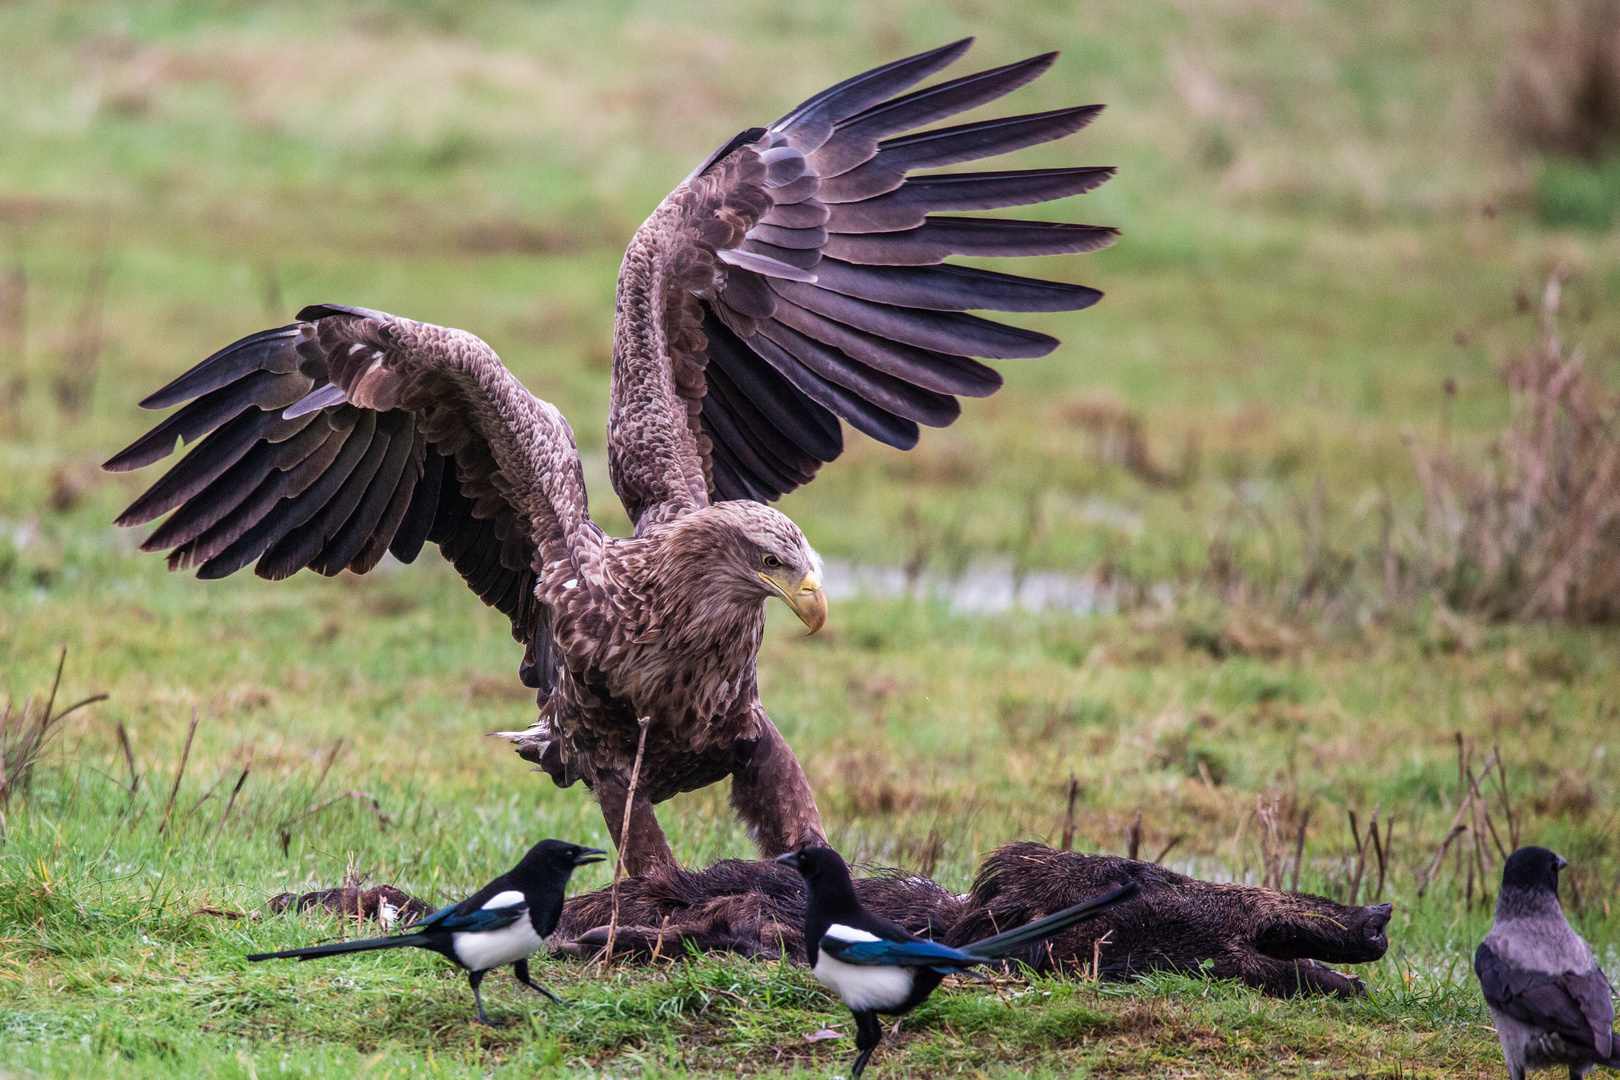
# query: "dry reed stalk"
{"type": "Point", "coordinates": [1479, 851]}
{"type": "Point", "coordinates": [1299, 850]}
{"type": "Point", "coordinates": [933, 848]}
{"type": "Point", "coordinates": [1381, 850]}
{"type": "Point", "coordinates": [206, 795]}
{"type": "Point", "coordinates": [1361, 855]}
{"type": "Point", "coordinates": [185, 756]}
{"type": "Point", "coordinates": [230, 804]}
{"type": "Point", "coordinates": [22, 740]}
{"type": "Point", "coordinates": [1068, 817]}
{"type": "Point", "coordinates": [129, 758]}
{"type": "Point", "coordinates": [1514, 821]}
{"type": "Point", "coordinates": [1271, 851]}
{"type": "Point", "coordinates": [1484, 807]}
{"type": "Point", "coordinates": [1537, 536]}
{"type": "Point", "coordinates": [337, 748]}
{"type": "Point", "coordinates": [624, 838]}
{"type": "Point", "coordinates": [1457, 828]}
{"type": "Point", "coordinates": [1169, 846]}
{"type": "Point", "coordinates": [1133, 839]}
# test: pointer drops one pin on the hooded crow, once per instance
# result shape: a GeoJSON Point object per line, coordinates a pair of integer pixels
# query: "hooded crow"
{"type": "Point", "coordinates": [1552, 1004]}
{"type": "Point", "coordinates": [505, 922]}
{"type": "Point", "coordinates": [878, 967]}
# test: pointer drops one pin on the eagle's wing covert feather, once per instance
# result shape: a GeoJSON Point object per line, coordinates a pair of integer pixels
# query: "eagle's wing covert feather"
{"type": "Point", "coordinates": [797, 278]}
{"type": "Point", "coordinates": [351, 433]}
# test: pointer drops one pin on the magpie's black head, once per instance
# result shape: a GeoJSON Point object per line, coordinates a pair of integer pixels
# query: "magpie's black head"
{"type": "Point", "coordinates": [817, 865]}
{"type": "Point", "coordinates": [827, 877]}
{"type": "Point", "coordinates": [554, 860]}
{"type": "Point", "coordinates": [1533, 869]}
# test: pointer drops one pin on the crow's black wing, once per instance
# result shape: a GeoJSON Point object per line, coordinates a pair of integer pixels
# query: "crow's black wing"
{"type": "Point", "coordinates": [1579, 1006]}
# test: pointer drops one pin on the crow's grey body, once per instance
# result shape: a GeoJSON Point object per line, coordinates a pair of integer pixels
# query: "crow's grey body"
{"type": "Point", "coordinates": [1551, 1002]}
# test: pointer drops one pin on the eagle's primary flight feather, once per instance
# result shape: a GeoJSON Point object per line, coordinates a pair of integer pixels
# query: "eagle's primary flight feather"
{"type": "Point", "coordinates": [795, 280]}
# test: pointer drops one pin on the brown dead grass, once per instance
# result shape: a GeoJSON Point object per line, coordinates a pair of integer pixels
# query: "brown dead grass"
{"type": "Point", "coordinates": [1559, 90]}
{"type": "Point", "coordinates": [1536, 534]}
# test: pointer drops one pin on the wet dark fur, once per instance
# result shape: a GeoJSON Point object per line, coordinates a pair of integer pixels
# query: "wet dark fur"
{"type": "Point", "coordinates": [1279, 942]}
{"type": "Point", "coordinates": [1275, 941]}
{"type": "Point", "coordinates": [752, 908]}
{"type": "Point", "coordinates": [356, 903]}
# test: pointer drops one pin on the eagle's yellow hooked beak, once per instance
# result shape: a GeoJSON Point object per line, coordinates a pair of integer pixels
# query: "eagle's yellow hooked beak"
{"type": "Point", "coordinates": [806, 598]}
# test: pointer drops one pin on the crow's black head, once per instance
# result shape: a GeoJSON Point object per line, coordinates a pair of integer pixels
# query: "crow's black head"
{"type": "Point", "coordinates": [1533, 869]}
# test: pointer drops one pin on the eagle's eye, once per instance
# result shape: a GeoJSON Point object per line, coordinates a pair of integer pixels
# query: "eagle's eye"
{"type": "Point", "coordinates": [773, 562]}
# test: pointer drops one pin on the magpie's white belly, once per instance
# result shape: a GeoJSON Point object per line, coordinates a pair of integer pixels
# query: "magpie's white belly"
{"type": "Point", "coordinates": [864, 988]}
{"type": "Point", "coordinates": [508, 945]}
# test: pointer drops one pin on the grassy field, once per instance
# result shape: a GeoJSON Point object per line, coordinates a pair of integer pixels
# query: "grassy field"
{"type": "Point", "coordinates": [1323, 224]}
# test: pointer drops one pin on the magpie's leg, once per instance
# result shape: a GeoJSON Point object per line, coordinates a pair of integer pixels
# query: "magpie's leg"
{"type": "Point", "coordinates": [868, 1033]}
{"type": "Point", "coordinates": [520, 972]}
{"type": "Point", "coordinates": [474, 978]}
{"type": "Point", "coordinates": [773, 798]}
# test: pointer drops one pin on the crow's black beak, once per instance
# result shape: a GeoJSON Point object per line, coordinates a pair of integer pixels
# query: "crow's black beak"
{"type": "Point", "coordinates": [791, 858]}
{"type": "Point", "coordinates": [1562, 862]}
{"type": "Point", "coordinates": [589, 855]}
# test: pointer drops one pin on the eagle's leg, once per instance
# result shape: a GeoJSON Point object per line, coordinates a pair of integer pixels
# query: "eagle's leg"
{"type": "Point", "coordinates": [646, 847]}
{"type": "Point", "coordinates": [770, 793]}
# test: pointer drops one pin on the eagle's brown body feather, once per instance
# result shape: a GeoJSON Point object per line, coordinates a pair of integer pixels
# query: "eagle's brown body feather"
{"type": "Point", "coordinates": [794, 281]}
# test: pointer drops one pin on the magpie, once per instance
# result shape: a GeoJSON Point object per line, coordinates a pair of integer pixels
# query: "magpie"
{"type": "Point", "coordinates": [502, 923]}
{"type": "Point", "coordinates": [878, 967]}
{"type": "Point", "coordinates": [1552, 1004]}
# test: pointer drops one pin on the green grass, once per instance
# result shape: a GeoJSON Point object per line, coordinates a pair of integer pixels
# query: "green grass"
{"type": "Point", "coordinates": [1307, 258]}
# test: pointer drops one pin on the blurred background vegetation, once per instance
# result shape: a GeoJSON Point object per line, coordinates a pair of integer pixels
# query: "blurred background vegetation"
{"type": "Point", "coordinates": [1336, 219]}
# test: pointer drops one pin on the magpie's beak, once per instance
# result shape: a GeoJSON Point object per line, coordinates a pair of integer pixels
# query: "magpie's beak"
{"type": "Point", "coordinates": [1562, 862]}
{"type": "Point", "coordinates": [589, 855]}
{"type": "Point", "coordinates": [805, 597]}
{"type": "Point", "coordinates": [791, 858]}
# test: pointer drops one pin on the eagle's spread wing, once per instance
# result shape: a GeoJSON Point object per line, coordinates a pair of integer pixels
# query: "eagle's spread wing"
{"type": "Point", "coordinates": [350, 433]}
{"type": "Point", "coordinates": [798, 278]}
{"type": "Point", "coordinates": [1576, 1005]}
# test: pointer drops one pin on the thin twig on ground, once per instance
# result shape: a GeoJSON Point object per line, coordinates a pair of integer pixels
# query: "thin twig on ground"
{"type": "Point", "coordinates": [624, 837]}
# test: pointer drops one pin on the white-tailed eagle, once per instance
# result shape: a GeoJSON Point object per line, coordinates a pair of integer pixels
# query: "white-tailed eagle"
{"type": "Point", "coordinates": [796, 281]}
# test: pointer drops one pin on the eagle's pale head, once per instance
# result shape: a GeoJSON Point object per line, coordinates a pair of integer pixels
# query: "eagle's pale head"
{"type": "Point", "coordinates": [749, 552]}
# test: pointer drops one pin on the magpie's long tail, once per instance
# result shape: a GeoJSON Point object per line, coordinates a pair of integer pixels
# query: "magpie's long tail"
{"type": "Point", "coordinates": [993, 948]}
{"type": "Point", "coordinates": [337, 948]}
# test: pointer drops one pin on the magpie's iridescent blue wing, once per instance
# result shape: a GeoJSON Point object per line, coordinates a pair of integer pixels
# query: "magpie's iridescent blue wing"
{"type": "Point", "coordinates": [882, 953]}
{"type": "Point", "coordinates": [432, 921]}
{"type": "Point", "coordinates": [483, 920]}
{"type": "Point", "coordinates": [499, 912]}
